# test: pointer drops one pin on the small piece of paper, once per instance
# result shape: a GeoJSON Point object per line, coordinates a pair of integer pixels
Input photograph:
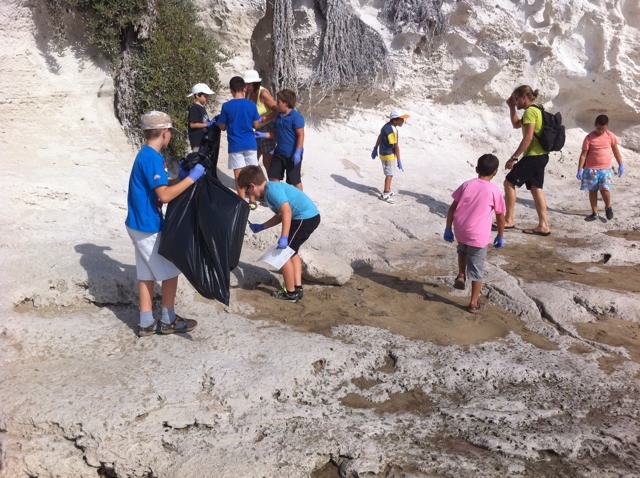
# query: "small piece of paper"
{"type": "Point", "coordinates": [276, 257]}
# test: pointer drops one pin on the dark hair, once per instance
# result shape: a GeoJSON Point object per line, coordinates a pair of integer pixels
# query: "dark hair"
{"type": "Point", "coordinates": [487, 165]}
{"type": "Point", "coordinates": [237, 84]}
{"type": "Point", "coordinates": [288, 97]}
{"type": "Point", "coordinates": [250, 175]}
{"type": "Point", "coordinates": [525, 90]}
{"type": "Point", "coordinates": [602, 120]}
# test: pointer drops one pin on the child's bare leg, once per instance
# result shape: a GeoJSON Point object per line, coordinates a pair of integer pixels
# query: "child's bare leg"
{"type": "Point", "coordinates": [288, 274]}
{"type": "Point", "coordinates": [606, 197]}
{"type": "Point", "coordinates": [462, 264]}
{"type": "Point", "coordinates": [297, 269]}
{"type": "Point", "coordinates": [387, 183]}
{"type": "Point", "coordinates": [593, 201]}
{"type": "Point", "coordinates": [266, 161]}
{"type": "Point", "coordinates": [169, 289]}
{"type": "Point", "coordinates": [476, 287]}
{"type": "Point", "coordinates": [299, 186]}
{"type": "Point", "coordinates": [510, 202]}
{"type": "Point", "coordinates": [145, 294]}
{"type": "Point", "coordinates": [239, 190]}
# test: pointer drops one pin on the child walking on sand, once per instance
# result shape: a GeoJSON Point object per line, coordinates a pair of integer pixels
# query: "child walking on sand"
{"type": "Point", "coordinates": [594, 166]}
{"type": "Point", "coordinates": [298, 215]}
{"type": "Point", "coordinates": [389, 151]}
{"type": "Point", "coordinates": [470, 214]}
{"type": "Point", "coordinates": [149, 187]}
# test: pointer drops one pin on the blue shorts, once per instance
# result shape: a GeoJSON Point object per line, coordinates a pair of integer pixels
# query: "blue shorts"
{"type": "Point", "coordinates": [596, 179]}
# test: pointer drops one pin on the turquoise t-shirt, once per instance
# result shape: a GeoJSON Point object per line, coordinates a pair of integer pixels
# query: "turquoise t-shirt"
{"type": "Point", "coordinates": [278, 193]}
{"type": "Point", "coordinates": [143, 207]}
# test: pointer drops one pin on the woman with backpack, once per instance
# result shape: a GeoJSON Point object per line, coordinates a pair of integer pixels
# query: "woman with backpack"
{"type": "Point", "coordinates": [528, 170]}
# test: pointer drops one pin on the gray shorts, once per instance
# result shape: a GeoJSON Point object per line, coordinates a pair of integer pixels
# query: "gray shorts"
{"type": "Point", "coordinates": [388, 167]}
{"type": "Point", "coordinates": [149, 264]}
{"type": "Point", "coordinates": [475, 260]}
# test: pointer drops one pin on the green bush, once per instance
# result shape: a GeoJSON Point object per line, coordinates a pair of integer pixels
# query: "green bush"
{"type": "Point", "coordinates": [177, 56]}
{"type": "Point", "coordinates": [167, 52]}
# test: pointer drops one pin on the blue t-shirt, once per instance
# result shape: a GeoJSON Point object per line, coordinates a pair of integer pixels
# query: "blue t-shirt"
{"type": "Point", "coordinates": [238, 115]}
{"type": "Point", "coordinates": [278, 193]}
{"type": "Point", "coordinates": [388, 140]}
{"type": "Point", "coordinates": [286, 137]}
{"type": "Point", "coordinates": [143, 208]}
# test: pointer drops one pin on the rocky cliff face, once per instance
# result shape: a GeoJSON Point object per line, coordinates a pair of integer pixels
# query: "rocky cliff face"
{"type": "Point", "coordinates": [582, 56]}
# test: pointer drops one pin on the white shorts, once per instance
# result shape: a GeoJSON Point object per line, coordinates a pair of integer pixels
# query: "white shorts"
{"type": "Point", "coordinates": [242, 159]}
{"type": "Point", "coordinates": [149, 264]}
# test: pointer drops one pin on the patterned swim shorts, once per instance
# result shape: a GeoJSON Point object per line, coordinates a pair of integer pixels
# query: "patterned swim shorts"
{"type": "Point", "coordinates": [596, 179]}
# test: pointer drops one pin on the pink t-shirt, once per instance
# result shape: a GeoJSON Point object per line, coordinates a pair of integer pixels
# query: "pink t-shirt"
{"type": "Point", "coordinates": [477, 200]}
{"type": "Point", "coordinates": [598, 148]}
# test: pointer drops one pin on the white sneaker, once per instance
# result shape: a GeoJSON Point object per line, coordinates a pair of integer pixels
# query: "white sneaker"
{"type": "Point", "coordinates": [387, 197]}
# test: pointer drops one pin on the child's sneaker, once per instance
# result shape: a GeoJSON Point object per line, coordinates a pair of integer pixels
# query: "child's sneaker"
{"type": "Point", "coordinates": [282, 294]}
{"type": "Point", "coordinates": [145, 331]}
{"type": "Point", "coordinates": [609, 212]}
{"type": "Point", "coordinates": [459, 282]}
{"type": "Point", "coordinates": [178, 326]}
{"type": "Point", "coordinates": [388, 197]}
{"type": "Point", "coordinates": [592, 217]}
{"type": "Point", "coordinates": [299, 292]}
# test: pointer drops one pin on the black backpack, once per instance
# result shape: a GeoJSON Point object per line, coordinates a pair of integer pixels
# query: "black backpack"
{"type": "Point", "coordinates": [552, 135]}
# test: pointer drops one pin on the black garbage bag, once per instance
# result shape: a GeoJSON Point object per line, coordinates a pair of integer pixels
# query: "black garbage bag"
{"type": "Point", "coordinates": [202, 235]}
{"type": "Point", "coordinates": [207, 153]}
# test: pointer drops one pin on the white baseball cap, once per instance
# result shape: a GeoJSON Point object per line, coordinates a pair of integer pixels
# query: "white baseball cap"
{"type": "Point", "coordinates": [201, 88]}
{"type": "Point", "coordinates": [396, 113]}
{"type": "Point", "coordinates": [251, 76]}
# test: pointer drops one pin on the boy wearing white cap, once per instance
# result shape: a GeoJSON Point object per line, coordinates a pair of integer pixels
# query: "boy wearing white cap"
{"type": "Point", "coordinates": [389, 150]}
{"type": "Point", "coordinates": [149, 188]}
{"type": "Point", "coordinates": [197, 117]}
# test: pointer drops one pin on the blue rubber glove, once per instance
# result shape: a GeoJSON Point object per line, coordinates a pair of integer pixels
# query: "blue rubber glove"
{"type": "Point", "coordinates": [448, 234]}
{"type": "Point", "coordinates": [374, 152]}
{"type": "Point", "coordinates": [620, 170]}
{"type": "Point", "coordinates": [579, 174]}
{"type": "Point", "coordinates": [181, 172]}
{"type": "Point", "coordinates": [260, 135]}
{"type": "Point", "coordinates": [196, 173]}
{"type": "Point", "coordinates": [297, 156]}
{"type": "Point", "coordinates": [256, 228]}
{"type": "Point", "coordinates": [498, 242]}
{"type": "Point", "coordinates": [283, 242]}
{"type": "Point", "coordinates": [400, 166]}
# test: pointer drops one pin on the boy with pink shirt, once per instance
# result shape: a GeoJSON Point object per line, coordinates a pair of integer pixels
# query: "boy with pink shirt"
{"type": "Point", "coordinates": [471, 213]}
{"type": "Point", "coordinates": [594, 166]}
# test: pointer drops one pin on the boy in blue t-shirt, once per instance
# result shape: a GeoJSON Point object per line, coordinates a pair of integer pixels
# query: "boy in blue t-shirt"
{"type": "Point", "coordinates": [239, 117]}
{"type": "Point", "coordinates": [289, 135]}
{"type": "Point", "coordinates": [387, 141]}
{"type": "Point", "coordinates": [298, 215]}
{"type": "Point", "coordinates": [149, 188]}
